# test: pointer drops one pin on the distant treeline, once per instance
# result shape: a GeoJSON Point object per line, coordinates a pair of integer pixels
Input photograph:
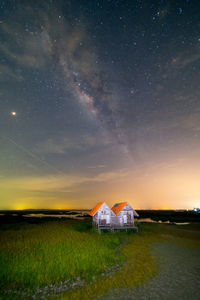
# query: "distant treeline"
{"type": "Point", "coordinates": [156, 215]}
{"type": "Point", "coordinates": [170, 215]}
{"type": "Point", "coordinates": [43, 211]}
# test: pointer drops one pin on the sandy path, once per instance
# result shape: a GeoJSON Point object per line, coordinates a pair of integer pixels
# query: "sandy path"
{"type": "Point", "coordinates": [178, 276]}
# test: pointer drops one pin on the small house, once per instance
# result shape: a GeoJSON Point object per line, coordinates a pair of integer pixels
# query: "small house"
{"type": "Point", "coordinates": [101, 215]}
{"type": "Point", "coordinates": [124, 215]}
{"type": "Point", "coordinates": [120, 216]}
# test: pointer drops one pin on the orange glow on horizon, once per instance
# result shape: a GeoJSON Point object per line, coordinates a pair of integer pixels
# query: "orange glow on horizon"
{"type": "Point", "coordinates": [169, 187]}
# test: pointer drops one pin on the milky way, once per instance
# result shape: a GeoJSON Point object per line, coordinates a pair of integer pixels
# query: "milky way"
{"type": "Point", "coordinates": [99, 100]}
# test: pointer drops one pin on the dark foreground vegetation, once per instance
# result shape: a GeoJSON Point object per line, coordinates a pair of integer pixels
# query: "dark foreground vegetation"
{"type": "Point", "coordinates": [170, 215]}
{"type": "Point", "coordinates": [68, 259]}
{"type": "Point", "coordinates": [156, 215]}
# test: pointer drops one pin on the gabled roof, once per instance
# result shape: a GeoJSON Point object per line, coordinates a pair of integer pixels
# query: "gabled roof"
{"type": "Point", "coordinates": [96, 208]}
{"type": "Point", "coordinates": [118, 207]}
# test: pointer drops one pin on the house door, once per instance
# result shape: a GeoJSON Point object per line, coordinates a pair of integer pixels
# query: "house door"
{"type": "Point", "coordinates": [125, 219]}
{"type": "Point", "coordinates": [103, 220]}
{"type": "Point", "coordinates": [128, 218]}
{"type": "Point", "coordinates": [107, 219]}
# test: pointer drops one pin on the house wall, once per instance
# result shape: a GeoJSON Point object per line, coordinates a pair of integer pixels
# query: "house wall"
{"type": "Point", "coordinates": [125, 216]}
{"type": "Point", "coordinates": [103, 215]}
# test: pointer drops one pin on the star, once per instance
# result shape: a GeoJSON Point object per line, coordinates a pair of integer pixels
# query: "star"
{"type": "Point", "coordinates": [87, 86]}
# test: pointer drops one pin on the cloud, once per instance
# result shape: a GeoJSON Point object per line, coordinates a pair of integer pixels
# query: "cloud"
{"type": "Point", "coordinates": [110, 176]}
{"type": "Point", "coordinates": [191, 121]}
{"type": "Point", "coordinates": [176, 128]}
{"type": "Point", "coordinates": [184, 60]}
{"type": "Point", "coordinates": [50, 40]}
{"type": "Point", "coordinates": [28, 49]}
{"type": "Point", "coordinates": [96, 166]}
{"type": "Point", "coordinates": [180, 62]}
{"type": "Point", "coordinates": [54, 146]}
{"type": "Point", "coordinates": [63, 145]}
{"type": "Point", "coordinates": [6, 72]}
{"type": "Point", "coordinates": [58, 183]}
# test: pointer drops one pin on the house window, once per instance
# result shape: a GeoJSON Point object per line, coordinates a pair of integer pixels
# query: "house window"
{"type": "Point", "coordinates": [125, 218]}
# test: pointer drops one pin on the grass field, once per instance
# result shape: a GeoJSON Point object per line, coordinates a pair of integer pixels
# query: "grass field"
{"type": "Point", "coordinates": [69, 258]}
{"type": "Point", "coordinates": [38, 255]}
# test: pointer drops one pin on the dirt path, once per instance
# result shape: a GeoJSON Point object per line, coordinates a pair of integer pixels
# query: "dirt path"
{"type": "Point", "coordinates": [178, 276]}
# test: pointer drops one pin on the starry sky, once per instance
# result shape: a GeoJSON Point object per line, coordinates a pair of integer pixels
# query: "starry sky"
{"type": "Point", "coordinates": [99, 101]}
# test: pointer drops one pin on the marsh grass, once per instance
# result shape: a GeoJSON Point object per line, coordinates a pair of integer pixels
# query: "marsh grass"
{"type": "Point", "coordinates": [139, 266]}
{"type": "Point", "coordinates": [39, 255]}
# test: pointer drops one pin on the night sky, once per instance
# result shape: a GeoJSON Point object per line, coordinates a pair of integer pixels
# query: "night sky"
{"type": "Point", "coordinates": [99, 101]}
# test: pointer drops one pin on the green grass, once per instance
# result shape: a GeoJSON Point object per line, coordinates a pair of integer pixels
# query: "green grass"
{"type": "Point", "coordinates": [138, 268]}
{"type": "Point", "coordinates": [140, 265]}
{"type": "Point", "coordinates": [37, 255]}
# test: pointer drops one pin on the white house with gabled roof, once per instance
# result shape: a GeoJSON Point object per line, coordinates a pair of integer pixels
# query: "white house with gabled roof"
{"type": "Point", "coordinates": [101, 214]}
{"type": "Point", "coordinates": [120, 216]}
{"type": "Point", "coordinates": [124, 214]}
